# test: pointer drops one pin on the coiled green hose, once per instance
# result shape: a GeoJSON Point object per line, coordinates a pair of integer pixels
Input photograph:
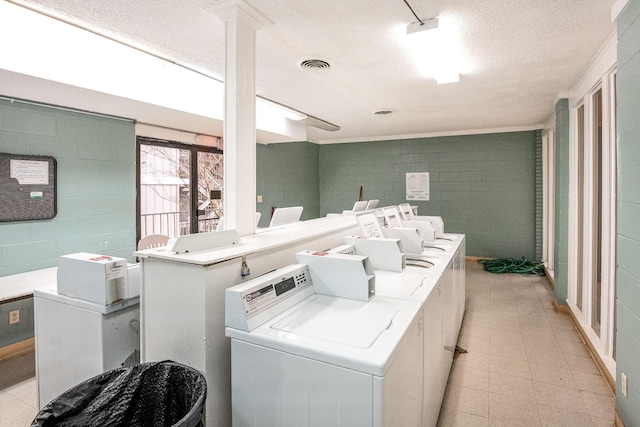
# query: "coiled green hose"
{"type": "Point", "coordinates": [511, 265]}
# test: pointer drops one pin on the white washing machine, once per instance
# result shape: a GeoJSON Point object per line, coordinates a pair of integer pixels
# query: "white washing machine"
{"type": "Point", "coordinates": [428, 281]}
{"type": "Point", "coordinates": [435, 295]}
{"type": "Point", "coordinates": [305, 359]}
{"type": "Point", "coordinates": [77, 339]}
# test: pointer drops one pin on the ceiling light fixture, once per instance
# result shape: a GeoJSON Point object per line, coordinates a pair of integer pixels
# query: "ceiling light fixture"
{"type": "Point", "coordinates": [426, 25]}
{"type": "Point", "coordinates": [430, 49]}
{"type": "Point", "coordinates": [72, 55]}
{"type": "Point", "coordinates": [274, 109]}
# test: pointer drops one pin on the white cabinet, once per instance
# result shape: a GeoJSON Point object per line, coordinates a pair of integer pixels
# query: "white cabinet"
{"type": "Point", "coordinates": [459, 282]}
{"type": "Point", "coordinates": [435, 381]}
{"type": "Point", "coordinates": [182, 299]}
{"type": "Point", "coordinates": [443, 313]}
{"type": "Point", "coordinates": [77, 340]}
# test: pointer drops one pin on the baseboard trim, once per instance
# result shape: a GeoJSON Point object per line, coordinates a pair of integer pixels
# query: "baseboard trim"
{"type": "Point", "coordinates": [562, 309]}
{"type": "Point", "coordinates": [617, 420]}
{"type": "Point", "coordinates": [549, 277]}
{"type": "Point", "coordinates": [17, 348]}
{"type": "Point", "coordinates": [592, 351]}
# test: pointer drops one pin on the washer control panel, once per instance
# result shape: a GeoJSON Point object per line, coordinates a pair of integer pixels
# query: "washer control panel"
{"type": "Point", "coordinates": [266, 296]}
{"type": "Point", "coordinates": [270, 292]}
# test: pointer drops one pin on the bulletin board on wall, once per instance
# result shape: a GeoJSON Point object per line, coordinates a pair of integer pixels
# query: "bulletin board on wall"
{"type": "Point", "coordinates": [27, 187]}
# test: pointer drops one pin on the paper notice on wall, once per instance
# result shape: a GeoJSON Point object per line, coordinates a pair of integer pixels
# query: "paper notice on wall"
{"type": "Point", "coordinates": [30, 172]}
{"type": "Point", "coordinates": [417, 185]}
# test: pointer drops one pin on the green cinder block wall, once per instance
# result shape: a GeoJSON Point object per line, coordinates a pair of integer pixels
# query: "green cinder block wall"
{"type": "Point", "coordinates": [482, 185]}
{"type": "Point", "coordinates": [561, 242]}
{"type": "Point", "coordinates": [287, 175]}
{"type": "Point", "coordinates": [96, 185]}
{"type": "Point", "coordinates": [23, 330]}
{"type": "Point", "coordinates": [628, 274]}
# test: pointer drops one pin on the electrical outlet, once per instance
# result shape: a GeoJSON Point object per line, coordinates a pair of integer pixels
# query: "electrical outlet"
{"type": "Point", "coordinates": [623, 384]}
{"type": "Point", "coordinates": [14, 317]}
{"type": "Point", "coordinates": [259, 198]}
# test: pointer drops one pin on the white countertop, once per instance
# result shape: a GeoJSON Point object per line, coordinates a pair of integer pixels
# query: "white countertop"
{"type": "Point", "coordinates": [51, 293]}
{"type": "Point", "coordinates": [23, 284]}
{"type": "Point", "coordinates": [264, 239]}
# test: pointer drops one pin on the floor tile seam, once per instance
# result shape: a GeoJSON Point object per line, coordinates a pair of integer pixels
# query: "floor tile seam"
{"type": "Point", "coordinates": [474, 390]}
{"type": "Point", "coordinates": [534, 360]}
{"type": "Point", "coordinates": [508, 348]}
{"type": "Point", "coordinates": [524, 302]}
{"type": "Point", "coordinates": [503, 421]}
{"type": "Point", "coordinates": [475, 366]}
{"type": "Point", "coordinates": [31, 405]}
{"type": "Point", "coordinates": [587, 405]}
{"type": "Point", "coordinates": [608, 394]}
{"type": "Point", "coordinates": [594, 418]}
{"type": "Point", "coordinates": [526, 334]}
{"type": "Point", "coordinates": [15, 400]}
{"type": "Point", "coordinates": [533, 352]}
{"type": "Point", "coordinates": [589, 416]}
{"type": "Point", "coordinates": [471, 386]}
{"type": "Point", "coordinates": [493, 355]}
{"type": "Point", "coordinates": [528, 303]}
{"type": "Point", "coordinates": [14, 395]}
{"type": "Point", "coordinates": [530, 324]}
{"type": "Point", "coordinates": [540, 318]}
{"type": "Point", "coordinates": [563, 404]}
{"type": "Point", "coordinates": [514, 378]}
{"type": "Point", "coordinates": [498, 334]}
{"type": "Point", "coordinates": [564, 353]}
{"type": "Point", "coordinates": [507, 330]}
{"type": "Point", "coordinates": [536, 332]}
{"type": "Point", "coordinates": [543, 381]}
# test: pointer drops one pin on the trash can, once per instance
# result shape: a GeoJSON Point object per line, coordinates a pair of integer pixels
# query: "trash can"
{"type": "Point", "coordinates": [158, 394]}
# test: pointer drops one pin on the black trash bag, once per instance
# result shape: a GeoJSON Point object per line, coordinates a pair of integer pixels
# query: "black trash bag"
{"type": "Point", "coordinates": [158, 394]}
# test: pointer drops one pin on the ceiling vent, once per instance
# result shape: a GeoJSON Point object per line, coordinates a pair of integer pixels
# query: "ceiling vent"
{"type": "Point", "coordinates": [314, 64]}
{"type": "Point", "coordinates": [382, 112]}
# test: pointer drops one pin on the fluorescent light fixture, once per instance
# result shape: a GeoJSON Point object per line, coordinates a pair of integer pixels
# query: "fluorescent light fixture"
{"type": "Point", "coordinates": [54, 50]}
{"type": "Point", "coordinates": [264, 106]}
{"type": "Point", "coordinates": [447, 77]}
{"type": "Point", "coordinates": [430, 51]}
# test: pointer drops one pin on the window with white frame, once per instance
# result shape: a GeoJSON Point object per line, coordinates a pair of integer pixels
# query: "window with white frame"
{"type": "Point", "coordinates": [592, 210]}
{"type": "Point", "coordinates": [548, 200]}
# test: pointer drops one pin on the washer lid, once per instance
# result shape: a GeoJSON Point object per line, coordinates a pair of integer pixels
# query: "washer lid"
{"type": "Point", "coordinates": [339, 320]}
{"type": "Point", "coordinates": [403, 284]}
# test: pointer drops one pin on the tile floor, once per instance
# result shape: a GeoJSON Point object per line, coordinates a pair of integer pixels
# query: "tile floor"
{"type": "Point", "coordinates": [526, 365]}
{"type": "Point", "coordinates": [18, 391]}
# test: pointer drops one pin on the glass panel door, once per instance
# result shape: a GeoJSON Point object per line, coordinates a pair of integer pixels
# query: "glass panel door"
{"type": "Point", "coordinates": [179, 187]}
{"type": "Point", "coordinates": [210, 184]}
{"type": "Point", "coordinates": [580, 191]}
{"type": "Point", "coordinates": [596, 280]}
{"type": "Point", "coordinates": [164, 190]}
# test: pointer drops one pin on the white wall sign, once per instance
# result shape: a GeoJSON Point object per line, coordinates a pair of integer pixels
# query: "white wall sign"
{"type": "Point", "coordinates": [30, 172]}
{"type": "Point", "coordinates": [417, 185]}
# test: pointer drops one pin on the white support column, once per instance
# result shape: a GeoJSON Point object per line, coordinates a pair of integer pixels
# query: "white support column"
{"type": "Point", "coordinates": [241, 23]}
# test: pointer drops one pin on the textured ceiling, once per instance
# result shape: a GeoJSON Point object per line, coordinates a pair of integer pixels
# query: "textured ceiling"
{"type": "Point", "coordinates": [518, 55]}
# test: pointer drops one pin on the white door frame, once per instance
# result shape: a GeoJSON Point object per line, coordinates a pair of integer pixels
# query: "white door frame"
{"type": "Point", "coordinates": [603, 344]}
